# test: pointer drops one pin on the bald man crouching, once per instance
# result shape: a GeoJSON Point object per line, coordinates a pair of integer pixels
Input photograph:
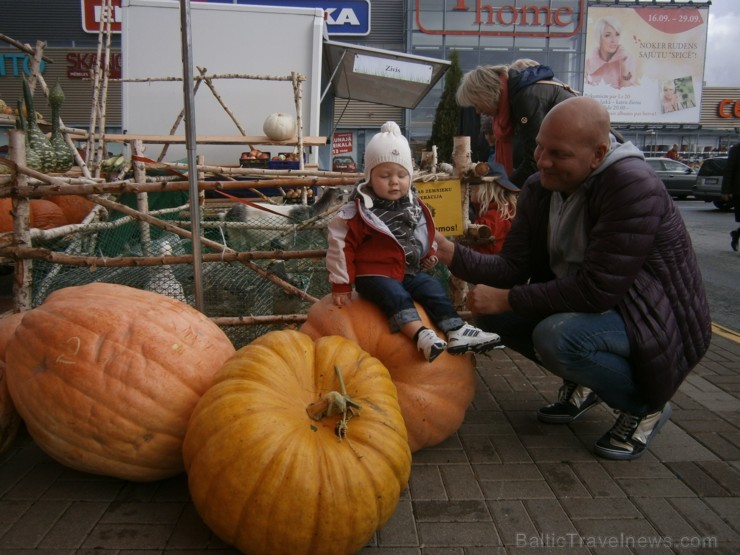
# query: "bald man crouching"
{"type": "Point", "coordinates": [597, 281]}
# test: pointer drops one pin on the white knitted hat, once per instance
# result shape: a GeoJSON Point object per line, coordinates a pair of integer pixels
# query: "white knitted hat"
{"type": "Point", "coordinates": [388, 146]}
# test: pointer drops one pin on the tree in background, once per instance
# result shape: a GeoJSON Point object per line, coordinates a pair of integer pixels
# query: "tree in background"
{"type": "Point", "coordinates": [447, 115]}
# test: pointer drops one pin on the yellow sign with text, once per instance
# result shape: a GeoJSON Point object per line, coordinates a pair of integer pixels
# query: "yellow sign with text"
{"type": "Point", "coordinates": [444, 199]}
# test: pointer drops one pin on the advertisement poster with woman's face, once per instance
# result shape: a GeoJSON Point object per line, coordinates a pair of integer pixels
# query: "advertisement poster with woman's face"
{"type": "Point", "coordinates": [646, 63]}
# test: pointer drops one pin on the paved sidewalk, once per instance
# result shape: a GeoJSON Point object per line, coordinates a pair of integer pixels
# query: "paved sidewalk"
{"type": "Point", "coordinates": [503, 484]}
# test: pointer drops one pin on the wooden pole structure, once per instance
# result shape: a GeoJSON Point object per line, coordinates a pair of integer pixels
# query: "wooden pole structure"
{"type": "Point", "coordinates": [21, 227]}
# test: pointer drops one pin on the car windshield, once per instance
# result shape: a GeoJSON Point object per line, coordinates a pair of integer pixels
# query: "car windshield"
{"type": "Point", "coordinates": [713, 166]}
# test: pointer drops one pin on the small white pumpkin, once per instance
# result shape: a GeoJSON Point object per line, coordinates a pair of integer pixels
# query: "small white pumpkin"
{"type": "Point", "coordinates": [280, 126]}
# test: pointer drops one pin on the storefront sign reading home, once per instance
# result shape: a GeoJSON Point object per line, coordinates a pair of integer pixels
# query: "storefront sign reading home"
{"type": "Point", "coordinates": [503, 18]}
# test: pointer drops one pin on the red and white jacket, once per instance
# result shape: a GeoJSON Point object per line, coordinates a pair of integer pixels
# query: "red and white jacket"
{"type": "Point", "coordinates": [360, 244]}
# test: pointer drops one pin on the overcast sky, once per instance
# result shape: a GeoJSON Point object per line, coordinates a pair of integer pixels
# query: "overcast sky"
{"type": "Point", "coordinates": [722, 67]}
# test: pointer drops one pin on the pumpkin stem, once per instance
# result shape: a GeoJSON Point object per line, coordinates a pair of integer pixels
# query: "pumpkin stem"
{"type": "Point", "coordinates": [333, 402]}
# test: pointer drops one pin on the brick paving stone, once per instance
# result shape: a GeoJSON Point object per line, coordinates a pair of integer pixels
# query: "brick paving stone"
{"type": "Point", "coordinates": [725, 474]}
{"type": "Point", "coordinates": [675, 444]}
{"type": "Point", "coordinates": [655, 487]}
{"type": "Point", "coordinates": [563, 481]}
{"type": "Point", "coordinates": [602, 507]}
{"type": "Point", "coordinates": [512, 520]}
{"type": "Point", "coordinates": [74, 525]}
{"type": "Point", "coordinates": [519, 489]}
{"type": "Point", "coordinates": [33, 525]}
{"type": "Point", "coordinates": [128, 536]}
{"type": "Point", "coordinates": [597, 481]}
{"type": "Point", "coordinates": [400, 530]}
{"type": "Point", "coordinates": [451, 511]}
{"type": "Point", "coordinates": [426, 482]}
{"type": "Point", "coordinates": [704, 520]}
{"type": "Point", "coordinates": [664, 517]}
{"type": "Point", "coordinates": [509, 449]}
{"type": "Point", "coordinates": [694, 476]}
{"type": "Point", "coordinates": [460, 482]}
{"type": "Point", "coordinates": [507, 472]}
{"type": "Point", "coordinates": [458, 533]}
{"type": "Point", "coordinates": [549, 516]}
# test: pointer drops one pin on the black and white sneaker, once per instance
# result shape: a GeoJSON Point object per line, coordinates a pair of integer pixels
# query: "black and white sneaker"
{"type": "Point", "coordinates": [630, 435]}
{"type": "Point", "coordinates": [573, 401]}
{"type": "Point", "coordinates": [429, 344]}
{"type": "Point", "coordinates": [470, 339]}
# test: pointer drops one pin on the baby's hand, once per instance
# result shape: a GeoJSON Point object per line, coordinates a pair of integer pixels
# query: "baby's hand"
{"type": "Point", "coordinates": [341, 299]}
{"type": "Point", "coordinates": [429, 262]}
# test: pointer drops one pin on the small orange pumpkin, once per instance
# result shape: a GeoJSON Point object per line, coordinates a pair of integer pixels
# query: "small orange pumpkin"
{"type": "Point", "coordinates": [10, 420]}
{"type": "Point", "coordinates": [433, 396]}
{"type": "Point", "coordinates": [105, 377]}
{"type": "Point", "coordinates": [275, 463]}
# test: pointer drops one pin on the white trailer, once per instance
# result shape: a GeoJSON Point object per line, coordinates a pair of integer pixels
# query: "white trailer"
{"type": "Point", "coordinates": [227, 39]}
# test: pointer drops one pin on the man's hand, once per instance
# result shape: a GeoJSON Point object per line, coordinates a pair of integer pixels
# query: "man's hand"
{"type": "Point", "coordinates": [429, 263]}
{"type": "Point", "coordinates": [483, 299]}
{"type": "Point", "coordinates": [445, 248]}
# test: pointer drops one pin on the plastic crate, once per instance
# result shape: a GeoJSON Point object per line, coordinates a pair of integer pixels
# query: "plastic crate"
{"type": "Point", "coordinates": [284, 164]}
{"type": "Point", "coordinates": [254, 162]}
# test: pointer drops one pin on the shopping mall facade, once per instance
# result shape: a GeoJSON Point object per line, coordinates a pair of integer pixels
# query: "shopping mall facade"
{"type": "Point", "coordinates": [667, 41]}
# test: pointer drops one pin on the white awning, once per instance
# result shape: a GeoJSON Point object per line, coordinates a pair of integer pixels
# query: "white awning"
{"type": "Point", "coordinates": [380, 76]}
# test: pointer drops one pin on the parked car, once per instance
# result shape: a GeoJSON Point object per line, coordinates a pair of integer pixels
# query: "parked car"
{"type": "Point", "coordinates": [709, 183]}
{"type": "Point", "coordinates": [678, 178]}
{"type": "Point", "coordinates": [344, 164]}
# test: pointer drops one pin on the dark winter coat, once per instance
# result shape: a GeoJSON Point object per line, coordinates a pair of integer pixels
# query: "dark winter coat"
{"type": "Point", "coordinates": [638, 259]}
{"type": "Point", "coordinates": [731, 180]}
{"type": "Point", "coordinates": [532, 94]}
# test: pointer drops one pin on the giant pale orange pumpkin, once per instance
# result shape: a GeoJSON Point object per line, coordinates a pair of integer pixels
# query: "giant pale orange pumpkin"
{"type": "Point", "coordinates": [433, 396]}
{"type": "Point", "coordinates": [276, 464]}
{"type": "Point", "coordinates": [9, 419]}
{"type": "Point", "coordinates": [44, 214]}
{"type": "Point", "coordinates": [105, 377]}
{"type": "Point", "coordinates": [75, 207]}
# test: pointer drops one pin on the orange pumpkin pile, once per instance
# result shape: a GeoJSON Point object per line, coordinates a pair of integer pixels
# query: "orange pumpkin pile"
{"type": "Point", "coordinates": [433, 396]}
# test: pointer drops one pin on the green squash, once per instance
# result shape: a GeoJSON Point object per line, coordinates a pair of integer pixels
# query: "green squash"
{"type": "Point", "coordinates": [36, 141]}
{"type": "Point", "coordinates": [63, 153]}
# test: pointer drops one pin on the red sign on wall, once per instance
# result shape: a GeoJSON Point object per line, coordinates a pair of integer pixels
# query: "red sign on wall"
{"type": "Point", "coordinates": [92, 13]}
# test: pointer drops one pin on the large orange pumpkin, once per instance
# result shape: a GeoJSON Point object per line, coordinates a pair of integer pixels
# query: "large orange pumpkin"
{"type": "Point", "coordinates": [75, 207]}
{"type": "Point", "coordinates": [10, 420]}
{"type": "Point", "coordinates": [44, 214]}
{"type": "Point", "coordinates": [106, 376]}
{"type": "Point", "coordinates": [273, 468]}
{"type": "Point", "coordinates": [433, 396]}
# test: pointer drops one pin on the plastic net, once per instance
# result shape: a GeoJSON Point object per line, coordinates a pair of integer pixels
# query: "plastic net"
{"type": "Point", "coordinates": [230, 289]}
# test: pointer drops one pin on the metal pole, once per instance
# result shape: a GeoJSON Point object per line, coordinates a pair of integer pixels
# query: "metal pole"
{"type": "Point", "coordinates": [191, 145]}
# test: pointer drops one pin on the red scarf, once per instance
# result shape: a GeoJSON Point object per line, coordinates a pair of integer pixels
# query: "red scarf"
{"type": "Point", "coordinates": [503, 130]}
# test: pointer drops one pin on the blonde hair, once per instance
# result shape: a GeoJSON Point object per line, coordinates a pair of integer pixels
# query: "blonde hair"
{"type": "Point", "coordinates": [481, 88]}
{"type": "Point", "coordinates": [490, 191]}
{"type": "Point", "coordinates": [612, 22]}
{"type": "Point", "coordinates": [523, 63]}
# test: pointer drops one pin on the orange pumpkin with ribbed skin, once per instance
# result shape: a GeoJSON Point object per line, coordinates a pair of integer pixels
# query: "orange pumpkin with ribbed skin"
{"type": "Point", "coordinates": [10, 420]}
{"type": "Point", "coordinates": [44, 214]}
{"type": "Point", "coordinates": [269, 478]}
{"type": "Point", "coordinates": [75, 207]}
{"type": "Point", "coordinates": [105, 377]}
{"type": "Point", "coordinates": [433, 396]}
